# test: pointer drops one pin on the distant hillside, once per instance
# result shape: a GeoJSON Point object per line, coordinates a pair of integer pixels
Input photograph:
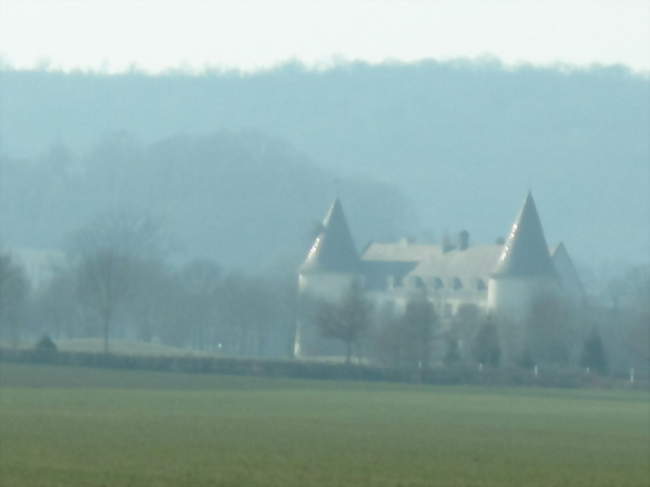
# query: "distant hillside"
{"type": "Point", "coordinates": [244, 199]}
{"type": "Point", "coordinates": [463, 141]}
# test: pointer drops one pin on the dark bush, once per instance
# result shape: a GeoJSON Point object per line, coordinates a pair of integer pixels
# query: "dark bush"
{"type": "Point", "coordinates": [526, 360]}
{"type": "Point", "coordinates": [593, 353]}
{"type": "Point", "coordinates": [486, 349]}
{"type": "Point", "coordinates": [45, 345]}
{"type": "Point", "coordinates": [452, 352]}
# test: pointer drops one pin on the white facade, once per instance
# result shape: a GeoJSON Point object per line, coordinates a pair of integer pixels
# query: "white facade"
{"type": "Point", "coordinates": [502, 279]}
{"type": "Point", "coordinates": [329, 286]}
{"type": "Point", "coordinates": [513, 297]}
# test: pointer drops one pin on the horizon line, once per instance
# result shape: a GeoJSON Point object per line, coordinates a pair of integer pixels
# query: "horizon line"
{"type": "Point", "coordinates": [335, 62]}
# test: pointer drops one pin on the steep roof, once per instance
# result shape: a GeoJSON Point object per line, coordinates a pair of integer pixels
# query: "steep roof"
{"type": "Point", "coordinates": [432, 260]}
{"type": "Point", "coordinates": [525, 252]}
{"type": "Point", "coordinates": [402, 251]}
{"type": "Point", "coordinates": [566, 270]}
{"type": "Point", "coordinates": [430, 263]}
{"type": "Point", "coordinates": [333, 249]}
{"type": "Point", "coordinates": [473, 262]}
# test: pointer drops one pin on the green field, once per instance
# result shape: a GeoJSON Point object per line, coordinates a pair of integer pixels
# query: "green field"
{"type": "Point", "coordinates": [64, 426]}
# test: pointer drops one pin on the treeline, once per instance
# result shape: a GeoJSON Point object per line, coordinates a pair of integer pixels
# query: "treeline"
{"type": "Point", "coordinates": [118, 281]}
{"type": "Point", "coordinates": [556, 333]}
{"type": "Point", "coordinates": [462, 139]}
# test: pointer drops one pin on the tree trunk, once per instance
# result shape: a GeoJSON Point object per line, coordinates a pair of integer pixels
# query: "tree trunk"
{"type": "Point", "coordinates": [243, 339]}
{"type": "Point", "coordinates": [261, 344]}
{"type": "Point", "coordinates": [348, 352]}
{"type": "Point", "coordinates": [105, 329]}
{"type": "Point", "coordinates": [15, 335]}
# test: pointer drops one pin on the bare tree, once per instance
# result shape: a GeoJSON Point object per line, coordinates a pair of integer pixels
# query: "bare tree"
{"type": "Point", "coordinates": [593, 354]}
{"type": "Point", "coordinates": [463, 329]}
{"type": "Point", "coordinates": [109, 251]}
{"type": "Point", "coordinates": [56, 307]}
{"type": "Point", "coordinates": [247, 307]}
{"type": "Point", "coordinates": [347, 320]}
{"type": "Point", "coordinates": [151, 286]}
{"type": "Point", "coordinates": [638, 318]}
{"type": "Point", "coordinates": [486, 346]}
{"type": "Point", "coordinates": [417, 329]}
{"type": "Point", "coordinates": [386, 341]}
{"type": "Point", "coordinates": [125, 232]}
{"type": "Point", "coordinates": [14, 289]}
{"type": "Point", "coordinates": [638, 337]}
{"type": "Point", "coordinates": [406, 339]}
{"type": "Point", "coordinates": [103, 285]}
{"type": "Point", "coordinates": [201, 282]}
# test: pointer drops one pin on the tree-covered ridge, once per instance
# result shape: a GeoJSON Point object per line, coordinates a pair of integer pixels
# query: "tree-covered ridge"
{"type": "Point", "coordinates": [241, 198]}
{"type": "Point", "coordinates": [463, 140]}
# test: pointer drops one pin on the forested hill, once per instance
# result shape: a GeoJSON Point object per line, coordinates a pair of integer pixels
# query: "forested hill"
{"type": "Point", "coordinates": [462, 140]}
{"type": "Point", "coordinates": [244, 199]}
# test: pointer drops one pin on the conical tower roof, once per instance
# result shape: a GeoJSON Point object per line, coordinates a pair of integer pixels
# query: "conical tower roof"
{"type": "Point", "coordinates": [525, 252]}
{"type": "Point", "coordinates": [566, 269]}
{"type": "Point", "coordinates": [560, 252]}
{"type": "Point", "coordinates": [333, 250]}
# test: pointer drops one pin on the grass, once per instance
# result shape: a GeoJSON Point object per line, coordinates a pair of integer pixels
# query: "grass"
{"type": "Point", "coordinates": [65, 426]}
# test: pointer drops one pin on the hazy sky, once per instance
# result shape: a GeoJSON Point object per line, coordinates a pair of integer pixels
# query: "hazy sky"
{"type": "Point", "coordinates": [158, 34]}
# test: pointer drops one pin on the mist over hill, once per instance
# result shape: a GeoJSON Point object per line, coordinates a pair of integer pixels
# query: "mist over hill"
{"type": "Point", "coordinates": [457, 143]}
{"type": "Point", "coordinates": [241, 198]}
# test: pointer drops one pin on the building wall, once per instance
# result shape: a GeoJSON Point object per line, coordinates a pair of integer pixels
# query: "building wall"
{"type": "Point", "coordinates": [512, 297]}
{"type": "Point", "coordinates": [510, 300]}
{"type": "Point", "coordinates": [329, 286]}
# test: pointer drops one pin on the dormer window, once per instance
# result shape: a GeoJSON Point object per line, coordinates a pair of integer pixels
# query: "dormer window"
{"type": "Point", "coordinates": [437, 283]}
{"type": "Point", "coordinates": [418, 282]}
{"type": "Point", "coordinates": [480, 285]}
{"type": "Point", "coordinates": [456, 284]}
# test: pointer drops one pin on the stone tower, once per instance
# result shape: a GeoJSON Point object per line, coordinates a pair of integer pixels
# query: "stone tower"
{"type": "Point", "coordinates": [524, 270]}
{"type": "Point", "coordinates": [331, 265]}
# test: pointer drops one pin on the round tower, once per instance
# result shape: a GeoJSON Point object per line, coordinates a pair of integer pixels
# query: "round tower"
{"type": "Point", "coordinates": [524, 273]}
{"type": "Point", "coordinates": [331, 266]}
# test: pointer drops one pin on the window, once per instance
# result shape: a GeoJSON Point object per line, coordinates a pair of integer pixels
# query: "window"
{"type": "Point", "coordinates": [480, 285]}
{"type": "Point", "coordinates": [457, 284]}
{"type": "Point", "coordinates": [437, 283]}
{"type": "Point", "coordinates": [418, 282]}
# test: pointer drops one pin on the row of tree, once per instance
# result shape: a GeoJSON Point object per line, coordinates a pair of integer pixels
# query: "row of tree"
{"type": "Point", "coordinates": [555, 333]}
{"type": "Point", "coordinates": [410, 339]}
{"type": "Point", "coordinates": [119, 281]}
